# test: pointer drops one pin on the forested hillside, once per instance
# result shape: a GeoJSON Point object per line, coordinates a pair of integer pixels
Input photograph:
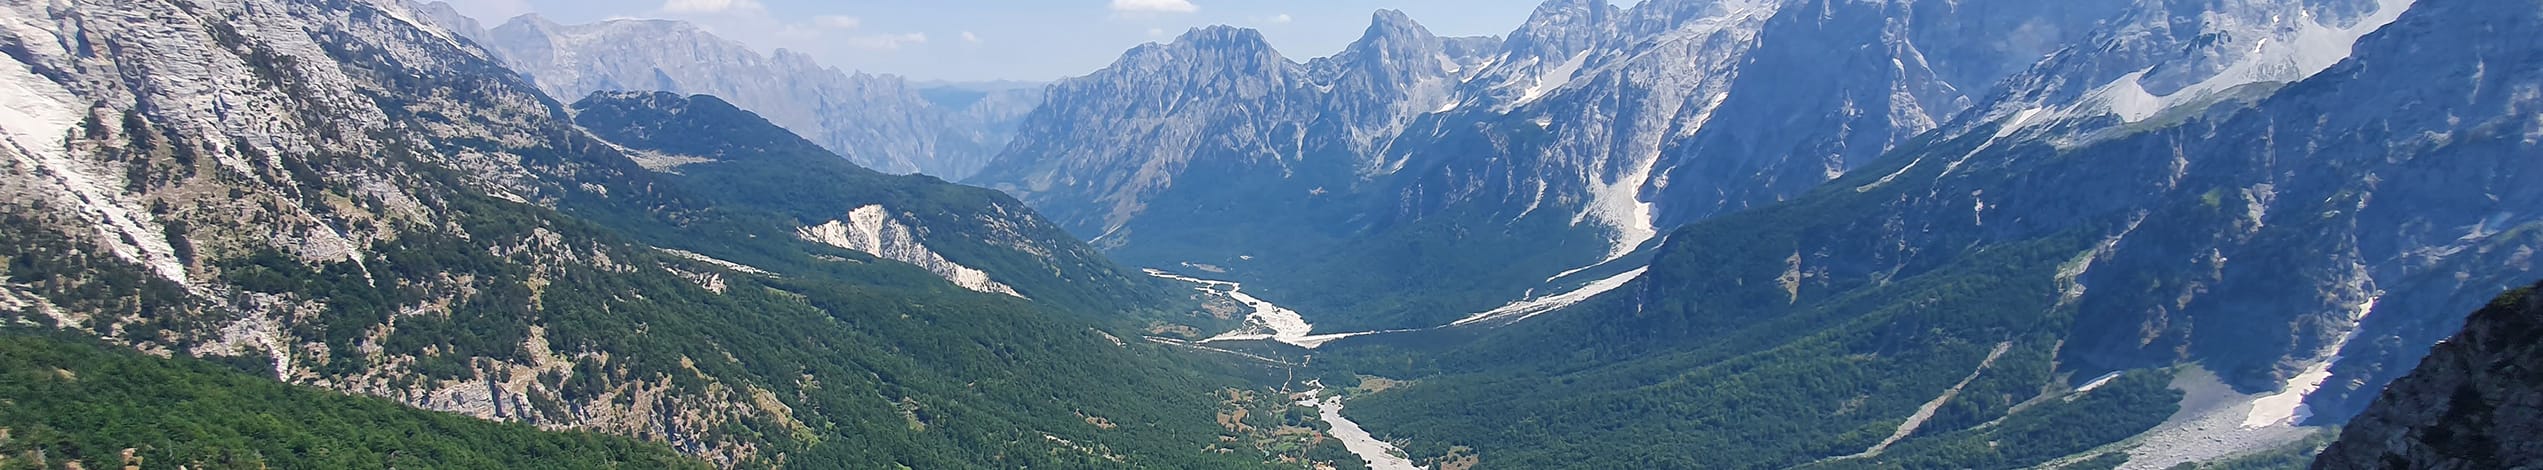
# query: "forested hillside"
{"type": "Point", "coordinates": [2243, 265]}
{"type": "Point", "coordinates": [350, 200]}
{"type": "Point", "coordinates": [73, 401]}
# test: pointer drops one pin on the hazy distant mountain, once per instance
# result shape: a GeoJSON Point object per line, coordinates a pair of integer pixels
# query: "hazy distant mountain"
{"type": "Point", "coordinates": [880, 121]}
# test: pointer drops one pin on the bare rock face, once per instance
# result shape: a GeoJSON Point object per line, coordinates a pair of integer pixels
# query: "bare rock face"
{"type": "Point", "coordinates": [2475, 403]}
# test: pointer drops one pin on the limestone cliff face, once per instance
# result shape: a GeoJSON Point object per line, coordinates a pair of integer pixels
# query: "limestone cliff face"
{"type": "Point", "coordinates": [2475, 403]}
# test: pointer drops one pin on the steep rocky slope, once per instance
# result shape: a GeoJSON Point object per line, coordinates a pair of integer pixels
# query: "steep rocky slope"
{"type": "Point", "coordinates": [351, 201]}
{"type": "Point", "coordinates": [1162, 128]}
{"type": "Point", "coordinates": [2473, 403]}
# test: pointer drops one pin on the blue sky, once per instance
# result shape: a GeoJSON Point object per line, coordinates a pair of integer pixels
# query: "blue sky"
{"type": "Point", "coordinates": [1035, 40]}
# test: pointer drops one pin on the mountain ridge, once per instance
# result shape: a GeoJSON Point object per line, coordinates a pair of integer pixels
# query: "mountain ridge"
{"type": "Point", "coordinates": [2273, 277]}
{"type": "Point", "coordinates": [347, 198]}
{"type": "Point", "coordinates": [879, 121]}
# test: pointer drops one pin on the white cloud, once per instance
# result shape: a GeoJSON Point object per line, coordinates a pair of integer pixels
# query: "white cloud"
{"type": "Point", "coordinates": [885, 42]}
{"type": "Point", "coordinates": [1156, 32]}
{"type": "Point", "coordinates": [798, 33]}
{"type": "Point", "coordinates": [1279, 19]}
{"type": "Point", "coordinates": [970, 38]}
{"type": "Point", "coordinates": [837, 21]}
{"type": "Point", "coordinates": [712, 6]}
{"type": "Point", "coordinates": [1154, 6]}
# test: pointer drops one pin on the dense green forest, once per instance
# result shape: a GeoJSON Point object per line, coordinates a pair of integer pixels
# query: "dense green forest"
{"type": "Point", "coordinates": [883, 363]}
{"type": "Point", "coordinates": [2051, 429]}
{"type": "Point", "coordinates": [758, 183]}
{"type": "Point", "coordinates": [65, 399]}
{"type": "Point", "coordinates": [1774, 338]}
{"type": "Point", "coordinates": [830, 358]}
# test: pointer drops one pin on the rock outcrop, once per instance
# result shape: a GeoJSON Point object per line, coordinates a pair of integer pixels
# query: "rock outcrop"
{"type": "Point", "coordinates": [2475, 403]}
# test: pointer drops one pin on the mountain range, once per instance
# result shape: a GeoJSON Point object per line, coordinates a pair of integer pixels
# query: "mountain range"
{"type": "Point", "coordinates": [878, 121]}
{"type": "Point", "coordinates": [1676, 234]}
{"type": "Point", "coordinates": [1623, 207]}
{"type": "Point", "coordinates": [338, 196]}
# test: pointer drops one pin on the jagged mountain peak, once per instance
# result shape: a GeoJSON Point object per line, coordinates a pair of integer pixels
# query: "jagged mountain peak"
{"type": "Point", "coordinates": [1210, 51]}
{"type": "Point", "coordinates": [1392, 35]}
{"type": "Point", "coordinates": [1565, 24]}
{"type": "Point", "coordinates": [536, 22]}
{"type": "Point", "coordinates": [1388, 22]}
{"type": "Point", "coordinates": [1223, 36]}
{"type": "Point", "coordinates": [1543, 53]}
{"type": "Point", "coordinates": [1570, 7]}
{"type": "Point", "coordinates": [446, 16]}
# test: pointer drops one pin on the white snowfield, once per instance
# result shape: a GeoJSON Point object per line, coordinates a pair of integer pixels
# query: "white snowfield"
{"type": "Point", "coordinates": [873, 230]}
{"type": "Point", "coordinates": [2098, 382]}
{"type": "Point", "coordinates": [2287, 407]}
{"type": "Point", "coordinates": [2311, 48]}
{"type": "Point", "coordinates": [1530, 308]}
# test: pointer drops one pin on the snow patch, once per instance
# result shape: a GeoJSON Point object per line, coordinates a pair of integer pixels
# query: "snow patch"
{"type": "Point", "coordinates": [2287, 407]}
{"type": "Point", "coordinates": [873, 230]}
{"type": "Point", "coordinates": [2310, 49]}
{"type": "Point", "coordinates": [1530, 308]}
{"type": "Point", "coordinates": [2019, 120]}
{"type": "Point", "coordinates": [2097, 383]}
{"type": "Point", "coordinates": [1553, 79]}
{"type": "Point", "coordinates": [1619, 203]}
{"type": "Point", "coordinates": [2128, 98]}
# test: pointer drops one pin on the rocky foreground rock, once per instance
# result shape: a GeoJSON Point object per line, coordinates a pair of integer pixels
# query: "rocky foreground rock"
{"type": "Point", "coordinates": [2475, 403]}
